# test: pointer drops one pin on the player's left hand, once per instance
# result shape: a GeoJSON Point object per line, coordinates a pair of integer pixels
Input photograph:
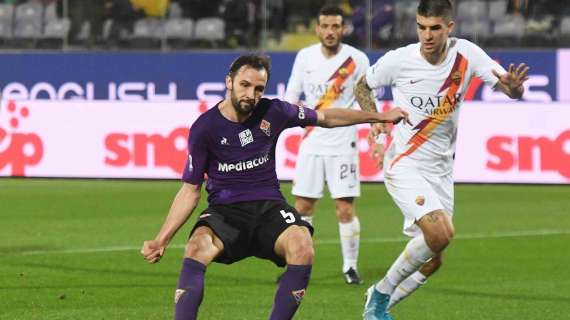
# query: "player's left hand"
{"type": "Point", "coordinates": [513, 79]}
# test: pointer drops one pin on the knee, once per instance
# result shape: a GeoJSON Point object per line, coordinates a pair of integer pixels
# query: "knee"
{"type": "Point", "coordinates": [303, 253]}
{"type": "Point", "coordinates": [432, 265]}
{"type": "Point", "coordinates": [436, 262]}
{"type": "Point", "coordinates": [196, 245]}
{"type": "Point", "coordinates": [345, 212]}
{"type": "Point", "coordinates": [200, 247]}
{"type": "Point", "coordinates": [300, 250]}
{"type": "Point", "coordinates": [438, 230]}
{"type": "Point", "coordinates": [439, 241]}
{"type": "Point", "coordinates": [305, 207]}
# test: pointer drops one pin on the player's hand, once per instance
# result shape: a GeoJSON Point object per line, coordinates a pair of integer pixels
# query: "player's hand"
{"type": "Point", "coordinates": [376, 143]}
{"type": "Point", "coordinates": [152, 251]}
{"type": "Point", "coordinates": [395, 115]}
{"type": "Point", "coordinates": [378, 128]}
{"type": "Point", "coordinates": [376, 149]}
{"type": "Point", "coordinates": [513, 79]}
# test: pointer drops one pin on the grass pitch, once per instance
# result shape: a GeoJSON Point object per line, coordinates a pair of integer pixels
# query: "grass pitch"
{"type": "Point", "coordinates": [69, 250]}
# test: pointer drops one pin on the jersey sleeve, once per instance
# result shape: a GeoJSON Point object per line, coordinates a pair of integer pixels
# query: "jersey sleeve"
{"type": "Point", "coordinates": [295, 84]}
{"type": "Point", "coordinates": [298, 116]}
{"type": "Point", "coordinates": [384, 71]}
{"type": "Point", "coordinates": [483, 65]}
{"type": "Point", "coordinates": [363, 66]}
{"type": "Point", "coordinates": [196, 164]}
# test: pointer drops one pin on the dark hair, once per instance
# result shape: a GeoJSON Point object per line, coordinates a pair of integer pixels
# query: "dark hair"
{"type": "Point", "coordinates": [436, 8]}
{"type": "Point", "coordinates": [330, 10]}
{"type": "Point", "coordinates": [256, 61]}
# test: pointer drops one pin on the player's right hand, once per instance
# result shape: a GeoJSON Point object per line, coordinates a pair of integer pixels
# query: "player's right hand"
{"type": "Point", "coordinates": [152, 251]}
{"type": "Point", "coordinates": [378, 147]}
{"type": "Point", "coordinates": [378, 128]}
{"type": "Point", "coordinates": [395, 115]}
{"type": "Point", "coordinates": [376, 151]}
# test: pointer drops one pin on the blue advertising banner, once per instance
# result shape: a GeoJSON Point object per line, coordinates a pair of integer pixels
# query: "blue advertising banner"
{"type": "Point", "coordinates": [197, 76]}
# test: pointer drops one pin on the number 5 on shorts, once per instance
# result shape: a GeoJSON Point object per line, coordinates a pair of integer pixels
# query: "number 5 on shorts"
{"type": "Point", "coordinates": [288, 216]}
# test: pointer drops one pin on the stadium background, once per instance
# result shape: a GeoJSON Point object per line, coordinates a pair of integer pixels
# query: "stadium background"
{"type": "Point", "coordinates": [108, 89]}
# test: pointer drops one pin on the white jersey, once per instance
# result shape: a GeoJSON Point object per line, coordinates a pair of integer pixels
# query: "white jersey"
{"type": "Point", "coordinates": [327, 83]}
{"type": "Point", "coordinates": [432, 94]}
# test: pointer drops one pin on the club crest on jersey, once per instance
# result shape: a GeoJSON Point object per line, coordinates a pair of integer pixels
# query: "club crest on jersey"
{"type": "Point", "coordinates": [224, 141]}
{"type": "Point", "coordinates": [456, 77]}
{"type": "Point", "coordinates": [298, 295]}
{"type": "Point", "coordinates": [245, 137]}
{"type": "Point", "coordinates": [420, 200]}
{"type": "Point", "coordinates": [265, 126]}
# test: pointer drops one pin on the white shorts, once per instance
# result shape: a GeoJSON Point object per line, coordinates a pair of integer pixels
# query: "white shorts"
{"type": "Point", "coordinates": [417, 194]}
{"type": "Point", "coordinates": [341, 173]}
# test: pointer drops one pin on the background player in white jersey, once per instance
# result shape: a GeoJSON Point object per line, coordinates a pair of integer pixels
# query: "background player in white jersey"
{"type": "Point", "coordinates": [429, 80]}
{"type": "Point", "coordinates": [326, 73]}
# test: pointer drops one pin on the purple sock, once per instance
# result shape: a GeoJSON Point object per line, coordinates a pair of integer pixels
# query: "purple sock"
{"type": "Point", "coordinates": [290, 292]}
{"type": "Point", "coordinates": [190, 289]}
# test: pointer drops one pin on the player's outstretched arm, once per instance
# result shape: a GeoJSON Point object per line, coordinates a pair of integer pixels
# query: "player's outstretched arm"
{"type": "Point", "coordinates": [336, 117]}
{"type": "Point", "coordinates": [511, 82]}
{"type": "Point", "coordinates": [181, 209]}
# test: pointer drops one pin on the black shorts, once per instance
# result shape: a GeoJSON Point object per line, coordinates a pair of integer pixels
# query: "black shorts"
{"type": "Point", "coordinates": [250, 228]}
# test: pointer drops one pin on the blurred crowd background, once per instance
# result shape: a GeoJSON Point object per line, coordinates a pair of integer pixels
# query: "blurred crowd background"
{"type": "Point", "coordinates": [265, 24]}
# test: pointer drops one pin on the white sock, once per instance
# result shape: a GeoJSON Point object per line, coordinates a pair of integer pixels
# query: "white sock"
{"type": "Point", "coordinates": [349, 243]}
{"type": "Point", "coordinates": [407, 287]}
{"type": "Point", "coordinates": [308, 219]}
{"type": "Point", "coordinates": [410, 260]}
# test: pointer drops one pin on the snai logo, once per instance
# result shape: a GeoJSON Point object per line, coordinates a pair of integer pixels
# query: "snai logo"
{"type": "Point", "coordinates": [519, 153]}
{"type": "Point", "coordinates": [141, 149]}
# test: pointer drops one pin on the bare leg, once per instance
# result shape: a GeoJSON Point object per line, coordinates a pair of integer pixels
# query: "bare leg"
{"type": "Point", "coordinates": [306, 208]}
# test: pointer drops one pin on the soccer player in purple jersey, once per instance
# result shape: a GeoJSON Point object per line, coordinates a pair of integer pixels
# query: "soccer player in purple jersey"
{"type": "Point", "coordinates": [234, 144]}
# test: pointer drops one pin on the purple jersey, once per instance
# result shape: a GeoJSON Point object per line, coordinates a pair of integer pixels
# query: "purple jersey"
{"type": "Point", "coordinates": [239, 158]}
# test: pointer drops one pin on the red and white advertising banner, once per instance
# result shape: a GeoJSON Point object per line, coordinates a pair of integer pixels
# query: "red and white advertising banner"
{"type": "Point", "coordinates": [497, 143]}
{"type": "Point", "coordinates": [105, 139]}
{"type": "Point", "coordinates": [514, 143]}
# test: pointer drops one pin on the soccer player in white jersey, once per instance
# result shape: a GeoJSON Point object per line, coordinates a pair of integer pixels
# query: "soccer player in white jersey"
{"type": "Point", "coordinates": [326, 73]}
{"type": "Point", "coordinates": [429, 80]}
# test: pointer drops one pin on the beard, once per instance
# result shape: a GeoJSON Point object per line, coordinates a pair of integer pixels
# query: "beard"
{"type": "Point", "coordinates": [331, 44]}
{"type": "Point", "coordinates": [243, 107]}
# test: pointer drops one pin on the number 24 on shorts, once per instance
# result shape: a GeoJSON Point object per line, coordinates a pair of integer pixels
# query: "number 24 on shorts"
{"type": "Point", "coordinates": [344, 170]}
